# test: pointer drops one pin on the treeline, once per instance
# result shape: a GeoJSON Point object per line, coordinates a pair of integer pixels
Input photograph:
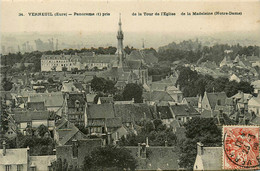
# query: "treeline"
{"type": "Point", "coordinates": [192, 51]}
{"type": "Point", "coordinates": [35, 56]}
{"type": "Point", "coordinates": [192, 84]}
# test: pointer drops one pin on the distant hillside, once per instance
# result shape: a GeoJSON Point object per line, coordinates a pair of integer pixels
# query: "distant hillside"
{"type": "Point", "coordinates": [192, 51]}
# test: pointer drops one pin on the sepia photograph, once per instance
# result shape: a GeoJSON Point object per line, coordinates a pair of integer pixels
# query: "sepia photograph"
{"type": "Point", "coordinates": [113, 85]}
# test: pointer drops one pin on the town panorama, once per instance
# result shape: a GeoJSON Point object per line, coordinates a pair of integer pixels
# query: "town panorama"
{"type": "Point", "coordinates": [124, 108]}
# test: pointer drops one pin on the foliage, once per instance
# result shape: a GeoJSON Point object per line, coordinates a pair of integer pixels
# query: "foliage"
{"type": "Point", "coordinates": [4, 120]}
{"type": "Point", "coordinates": [110, 158]}
{"type": "Point", "coordinates": [202, 130]}
{"type": "Point", "coordinates": [7, 85]}
{"type": "Point", "coordinates": [38, 146]}
{"type": "Point", "coordinates": [42, 129]}
{"type": "Point", "coordinates": [156, 132]}
{"type": "Point", "coordinates": [99, 84]}
{"type": "Point", "coordinates": [193, 51]}
{"type": "Point", "coordinates": [133, 91]}
{"type": "Point", "coordinates": [192, 84]}
{"type": "Point", "coordinates": [50, 80]}
{"type": "Point", "coordinates": [60, 165]}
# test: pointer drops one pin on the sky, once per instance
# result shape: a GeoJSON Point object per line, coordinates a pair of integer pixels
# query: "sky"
{"type": "Point", "coordinates": [247, 22]}
{"type": "Point", "coordinates": [94, 31]}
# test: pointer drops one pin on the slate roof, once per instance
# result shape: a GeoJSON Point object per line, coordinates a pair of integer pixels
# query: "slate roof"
{"type": "Point", "coordinates": [114, 122]}
{"type": "Point", "coordinates": [54, 99]}
{"type": "Point", "coordinates": [206, 114]}
{"type": "Point", "coordinates": [105, 110]}
{"type": "Point", "coordinates": [99, 59]}
{"type": "Point", "coordinates": [183, 110]}
{"type": "Point", "coordinates": [157, 96]}
{"type": "Point", "coordinates": [27, 116]}
{"type": "Point", "coordinates": [193, 101]}
{"type": "Point", "coordinates": [256, 84]}
{"type": "Point", "coordinates": [212, 158]}
{"type": "Point", "coordinates": [214, 97]}
{"type": "Point", "coordinates": [160, 158]}
{"type": "Point", "coordinates": [133, 112]}
{"type": "Point", "coordinates": [134, 64]}
{"type": "Point", "coordinates": [60, 57]}
{"type": "Point", "coordinates": [90, 98]}
{"type": "Point", "coordinates": [106, 100]}
{"type": "Point", "coordinates": [255, 121]}
{"type": "Point", "coordinates": [36, 105]}
{"type": "Point", "coordinates": [14, 156]}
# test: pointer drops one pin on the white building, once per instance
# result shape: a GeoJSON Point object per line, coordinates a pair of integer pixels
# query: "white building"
{"type": "Point", "coordinates": [57, 62]}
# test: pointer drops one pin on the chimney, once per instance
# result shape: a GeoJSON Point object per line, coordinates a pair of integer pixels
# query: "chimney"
{"type": "Point", "coordinates": [109, 138]}
{"type": "Point", "coordinates": [139, 150]}
{"type": "Point", "coordinates": [4, 148]}
{"type": "Point", "coordinates": [143, 150]}
{"type": "Point", "coordinates": [166, 143]}
{"type": "Point", "coordinates": [199, 148]}
{"type": "Point", "coordinates": [147, 142]}
{"type": "Point", "coordinates": [74, 148]}
{"type": "Point", "coordinates": [54, 151]}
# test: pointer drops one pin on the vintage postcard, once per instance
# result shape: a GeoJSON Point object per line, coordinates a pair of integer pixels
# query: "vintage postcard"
{"type": "Point", "coordinates": [129, 85]}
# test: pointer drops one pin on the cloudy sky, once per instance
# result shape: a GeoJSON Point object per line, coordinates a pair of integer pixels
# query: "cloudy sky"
{"type": "Point", "coordinates": [247, 22]}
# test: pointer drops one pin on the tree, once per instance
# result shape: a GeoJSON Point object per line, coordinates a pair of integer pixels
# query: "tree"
{"type": "Point", "coordinates": [110, 158]}
{"type": "Point", "coordinates": [4, 120]}
{"type": "Point", "coordinates": [64, 69]}
{"type": "Point", "coordinates": [7, 85]}
{"type": "Point", "coordinates": [99, 84]}
{"type": "Point", "coordinates": [202, 130]}
{"type": "Point", "coordinates": [133, 91]}
{"type": "Point", "coordinates": [42, 129]}
{"type": "Point", "coordinates": [50, 80]}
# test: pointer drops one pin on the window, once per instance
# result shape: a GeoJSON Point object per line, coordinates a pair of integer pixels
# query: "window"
{"type": "Point", "coordinates": [33, 168]}
{"type": "Point", "coordinates": [7, 167]}
{"type": "Point", "coordinates": [19, 167]}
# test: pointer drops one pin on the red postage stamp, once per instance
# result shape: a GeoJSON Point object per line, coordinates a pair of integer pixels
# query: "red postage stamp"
{"type": "Point", "coordinates": [241, 147]}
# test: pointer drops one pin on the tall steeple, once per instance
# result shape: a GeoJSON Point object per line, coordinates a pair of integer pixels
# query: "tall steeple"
{"type": "Point", "coordinates": [120, 48]}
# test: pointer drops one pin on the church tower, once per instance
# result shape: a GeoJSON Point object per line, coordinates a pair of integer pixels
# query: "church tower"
{"type": "Point", "coordinates": [120, 48]}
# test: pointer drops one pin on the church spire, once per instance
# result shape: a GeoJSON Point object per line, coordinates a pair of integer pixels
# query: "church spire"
{"type": "Point", "coordinates": [120, 48]}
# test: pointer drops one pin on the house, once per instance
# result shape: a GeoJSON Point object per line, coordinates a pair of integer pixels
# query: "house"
{"type": "Point", "coordinates": [58, 62]}
{"type": "Point", "coordinates": [183, 112]}
{"type": "Point", "coordinates": [75, 153]}
{"type": "Point", "coordinates": [52, 101]}
{"type": "Point", "coordinates": [233, 77]}
{"type": "Point", "coordinates": [75, 104]}
{"type": "Point", "coordinates": [241, 101]}
{"type": "Point", "coordinates": [102, 100]}
{"type": "Point", "coordinates": [165, 114]}
{"type": "Point", "coordinates": [19, 159]}
{"type": "Point", "coordinates": [133, 113]}
{"type": "Point", "coordinates": [14, 159]}
{"type": "Point", "coordinates": [154, 157]}
{"type": "Point", "coordinates": [96, 116]}
{"type": "Point", "coordinates": [71, 86]}
{"type": "Point", "coordinates": [157, 97]}
{"type": "Point", "coordinates": [256, 85]}
{"type": "Point", "coordinates": [208, 158]}
{"type": "Point", "coordinates": [254, 105]}
{"type": "Point", "coordinates": [41, 163]}
{"type": "Point", "coordinates": [66, 131]}
{"type": "Point", "coordinates": [193, 101]}
{"type": "Point", "coordinates": [33, 119]}
{"type": "Point", "coordinates": [226, 62]}
{"type": "Point", "coordinates": [98, 61]}
{"type": "Point", "coordinates": [210, 100]}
